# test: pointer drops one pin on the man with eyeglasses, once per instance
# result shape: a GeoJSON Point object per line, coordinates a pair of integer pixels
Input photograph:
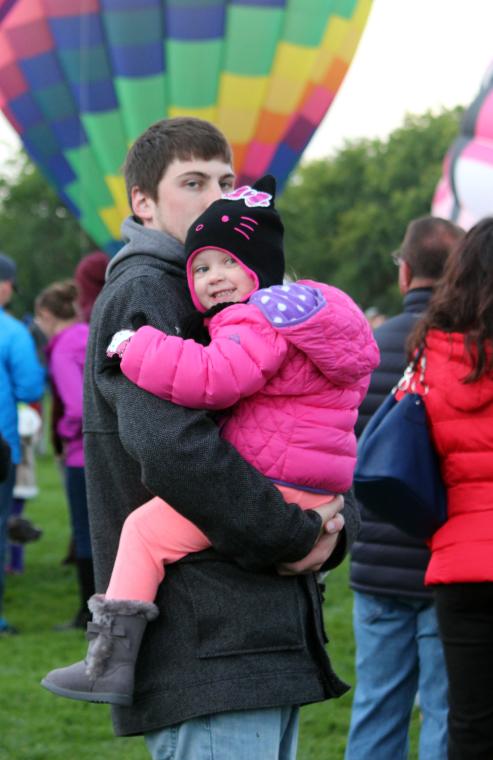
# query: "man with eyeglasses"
{"type": "Point", "coordinates": [398, 651]}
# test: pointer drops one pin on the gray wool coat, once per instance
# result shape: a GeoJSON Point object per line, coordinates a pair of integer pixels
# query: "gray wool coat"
{"type": "Point", "coordinates": [232, 634]}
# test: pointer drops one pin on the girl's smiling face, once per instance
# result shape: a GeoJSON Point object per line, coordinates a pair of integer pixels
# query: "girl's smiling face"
{"type": "Point", "coordinates": [219, 278]}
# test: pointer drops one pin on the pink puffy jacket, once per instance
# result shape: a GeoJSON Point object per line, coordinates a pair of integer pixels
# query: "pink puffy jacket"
{"type": "Point", "coordinates": [294, 363]}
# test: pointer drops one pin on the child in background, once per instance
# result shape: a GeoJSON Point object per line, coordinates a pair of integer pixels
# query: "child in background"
{"type": "Point", "coordinates": [21, 530]}
{"type": "Point", "coordinates": [57, 315]}
{"type": "Point", "coordinates": [290, 362]}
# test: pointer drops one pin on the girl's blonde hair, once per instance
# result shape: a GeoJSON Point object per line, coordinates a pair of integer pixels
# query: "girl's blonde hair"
{"type": "Point", "coordinates": [59, 299]}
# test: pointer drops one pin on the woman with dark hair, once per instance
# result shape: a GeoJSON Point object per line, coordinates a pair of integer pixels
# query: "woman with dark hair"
{"type": "Point", "coordinates": [457, 334]}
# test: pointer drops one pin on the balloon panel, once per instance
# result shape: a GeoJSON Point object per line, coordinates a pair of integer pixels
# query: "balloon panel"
{"type": "Point", "coordinates": [465, 190]}
{"type": "Point", "coordinates": [81, 79]}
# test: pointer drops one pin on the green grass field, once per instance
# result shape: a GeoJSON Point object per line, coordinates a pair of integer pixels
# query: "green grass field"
{"type": "Point", "coordinates": [35, 725]}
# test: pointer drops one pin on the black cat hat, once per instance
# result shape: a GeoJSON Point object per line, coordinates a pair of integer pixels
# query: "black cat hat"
{"type": "Point", "coordinates": [245, 224]}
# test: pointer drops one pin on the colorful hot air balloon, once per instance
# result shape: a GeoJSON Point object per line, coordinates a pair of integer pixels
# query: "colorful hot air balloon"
{"type": "Point", "coordinates": [81, 79]}
{"type": "Point", "coordinates": [465, 191]}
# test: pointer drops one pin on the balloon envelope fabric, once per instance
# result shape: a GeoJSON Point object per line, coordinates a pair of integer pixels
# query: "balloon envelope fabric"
{"type": "Point", "coordinates": [464, 194]}
{"type": "Point", "coordinates": [81, 79]}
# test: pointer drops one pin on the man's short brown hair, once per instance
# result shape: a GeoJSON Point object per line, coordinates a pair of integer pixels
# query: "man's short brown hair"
{"type": "Point", "coordinates": [427, 244]}
{"type": "Point", "coordinates": [182, 138]}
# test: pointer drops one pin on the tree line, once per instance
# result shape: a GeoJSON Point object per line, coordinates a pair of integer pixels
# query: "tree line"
{"type": "Point", "coordinates": [343, 214]}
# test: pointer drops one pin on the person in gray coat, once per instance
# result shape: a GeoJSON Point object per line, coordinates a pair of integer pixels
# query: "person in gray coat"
{"type": "Point", "coordinates": [245, 645]}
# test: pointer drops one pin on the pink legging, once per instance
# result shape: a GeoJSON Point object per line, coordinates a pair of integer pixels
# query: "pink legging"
{"type": "Point", "coordinates": [154, 535]}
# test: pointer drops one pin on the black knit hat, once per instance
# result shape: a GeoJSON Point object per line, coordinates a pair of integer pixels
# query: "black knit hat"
{"type": "Point", "coordinates": [246, 224]}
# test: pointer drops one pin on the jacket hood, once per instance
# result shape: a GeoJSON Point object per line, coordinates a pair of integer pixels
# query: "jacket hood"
{"type": "Point", "coordinates": [453, 364]}
{"type": "Point", "coordinates": [326, 325]}
{"type": "Point", "coordinates": [74, 334]}
{"type": "Point", "coordinates": [139, 239]}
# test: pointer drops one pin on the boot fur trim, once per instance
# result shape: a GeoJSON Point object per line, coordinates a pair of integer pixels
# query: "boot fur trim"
{"type": "Point", "coordinates": [98, 655]}
{"type": "Point", "coordinates": [102, 608]}
{"type": "Point", "coordinates": [104, 612]}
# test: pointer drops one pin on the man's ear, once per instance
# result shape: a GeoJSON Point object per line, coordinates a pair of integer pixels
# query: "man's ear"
{"type": "Point", "coordinates": [142, 205]}
{"type": "Point", "coordinates": [405, 277]}
{"type": "Point", "coordinates": [6, 292]}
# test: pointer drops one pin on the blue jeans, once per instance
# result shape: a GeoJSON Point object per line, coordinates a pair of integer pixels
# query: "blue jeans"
{"type": "Point", "coordinates": [270, 734]}
{"type": "Point", "coordinates": [6, 490]}
{"type": "Point", "coordinates": [77, 499]}
{"type": "Point", "coordinates": [398, 653]}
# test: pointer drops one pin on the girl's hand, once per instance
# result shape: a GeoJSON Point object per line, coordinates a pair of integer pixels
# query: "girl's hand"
{"type": "Point", "coordinates": [119, 343]}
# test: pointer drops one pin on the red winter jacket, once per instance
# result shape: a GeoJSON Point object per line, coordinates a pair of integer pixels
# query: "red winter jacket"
{"type": "Point", "coordinates": [461, 417]}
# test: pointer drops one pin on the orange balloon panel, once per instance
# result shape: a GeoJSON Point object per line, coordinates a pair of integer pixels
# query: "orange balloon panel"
{"type": "Point", "coordinates": [81, 79]}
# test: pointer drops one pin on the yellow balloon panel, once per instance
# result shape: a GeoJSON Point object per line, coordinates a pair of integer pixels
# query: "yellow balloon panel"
{"type": "Point", "coordinates": [80, 80]}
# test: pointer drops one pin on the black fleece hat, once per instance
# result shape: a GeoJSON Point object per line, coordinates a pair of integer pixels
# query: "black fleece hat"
{"type": "Point", "coordinates": [246, 224]}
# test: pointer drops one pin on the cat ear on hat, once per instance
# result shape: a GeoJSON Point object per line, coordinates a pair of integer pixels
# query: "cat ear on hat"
{"type": "Point", "coordinates": [266, 184]}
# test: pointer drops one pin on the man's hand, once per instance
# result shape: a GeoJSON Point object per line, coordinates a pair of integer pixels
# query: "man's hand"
{"type": "Point", "coordinates": [332, 524]}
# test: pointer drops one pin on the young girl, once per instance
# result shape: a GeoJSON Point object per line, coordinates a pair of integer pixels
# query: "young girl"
{"type": "Point", "coordinates": [58, 317]}
{"type": "Point", "coordinates": [293, 361]}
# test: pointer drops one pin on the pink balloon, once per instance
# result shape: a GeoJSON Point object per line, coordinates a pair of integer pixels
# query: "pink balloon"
{"type": "Point", "coordinates": [464, 193]}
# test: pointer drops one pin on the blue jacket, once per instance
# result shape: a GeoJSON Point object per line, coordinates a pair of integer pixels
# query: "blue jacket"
{"type": "Point", "coordinates": [22, 377]}
{"type": "Point", "coordinates": [384, 560]}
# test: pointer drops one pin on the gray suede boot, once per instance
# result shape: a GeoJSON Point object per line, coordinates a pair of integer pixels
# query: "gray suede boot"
{"type": "Point", "coordinates": [107, 673]}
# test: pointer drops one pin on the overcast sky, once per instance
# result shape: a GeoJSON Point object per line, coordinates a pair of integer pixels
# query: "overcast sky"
{"type": "Point", "coordinates": [414, 55]}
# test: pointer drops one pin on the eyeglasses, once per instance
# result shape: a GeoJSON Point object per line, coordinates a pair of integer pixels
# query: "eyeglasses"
{"type": "Point", "coordinates": [397, 257]}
